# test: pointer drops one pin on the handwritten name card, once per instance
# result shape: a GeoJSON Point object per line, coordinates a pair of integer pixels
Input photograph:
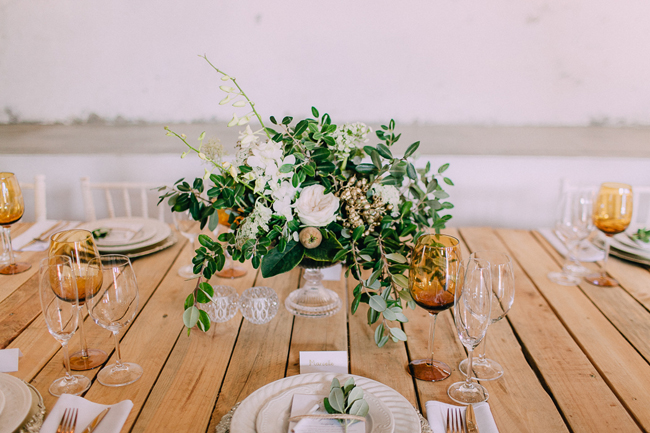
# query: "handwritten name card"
{"type": "Point", "coordinates": [325, 361]}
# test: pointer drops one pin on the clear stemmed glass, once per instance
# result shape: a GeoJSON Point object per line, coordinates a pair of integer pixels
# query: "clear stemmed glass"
{"type": "Point", "coordinates": [190, 228]}
{"type": "Point", "coordinates": [472, 317]}
{"type": "Point", "coordinates": [432, 284]}
{"type": "Point", "coordinates": [12, 208]}
{"type": "Point", "coordinates": [230, 270]}
{"type": "Point", "coordinates": [80, 246]}
{"type": "Point", "coordinates": [113, 307]}
{"type": "Point", "coordinates": [573, 226]}
{"type": "Point", "coordinates": [60, 304]}
{"type": "Point", "coordinates": [612, 215]}
{"type": "Point", "coordinates": [503, 295]}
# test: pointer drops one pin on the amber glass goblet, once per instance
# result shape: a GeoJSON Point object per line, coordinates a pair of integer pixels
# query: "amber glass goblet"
{"type": "Point", "coordinates": [80, 246]}
{"type": "Point", "coordinates": [612, 215]}
{"type": "Point", "coordinates": [12, 208]}
{"type": "Point", "coordinates": [432, 283]}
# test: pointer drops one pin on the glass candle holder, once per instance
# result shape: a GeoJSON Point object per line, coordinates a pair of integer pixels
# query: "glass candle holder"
{"type": "Point", "coordinates": [259, 304]}
{"type": "Point", "coordinates": [223, 306]}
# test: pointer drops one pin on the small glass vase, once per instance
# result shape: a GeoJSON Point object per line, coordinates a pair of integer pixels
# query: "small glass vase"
{"type": "Point", "coordinates": [313, 299]}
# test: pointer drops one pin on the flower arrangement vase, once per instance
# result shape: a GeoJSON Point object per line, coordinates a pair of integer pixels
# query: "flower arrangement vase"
{"type": "Point", "coordinates": [313, 299]}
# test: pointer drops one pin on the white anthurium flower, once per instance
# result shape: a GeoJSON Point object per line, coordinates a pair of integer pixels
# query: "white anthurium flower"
{"type": "Point", "coordinates": [241, 103]}
{"type": "Point", "coordinates": [264, 154]}
{"type": "Point", "coordinates": [234, 120]}
{"type": "Point", "coordinates": [315, 208]}
{"type": "Point", "coordinates": [283, 196]}
{"type": "Point", "coordinates": [247, 137]}
{"type": "Point", "coordinates": [244, 120]}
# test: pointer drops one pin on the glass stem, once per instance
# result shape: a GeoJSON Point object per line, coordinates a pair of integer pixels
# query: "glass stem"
{"type": "Point", "coordinates": [118, 355]}
{"type": "Point", "coordinates": [483, 344]}
{"type": "Point", "coordinates": [82, 334]}
{"type": "Point", "coordinates": [432, 333]}
{"type": "Point", "coordinates": [10, 248]}
{"type": "Point", "coordinates": [66, 361]}
{"type": "Point", "coordinates": [603, 270]}
{"type": "Point", "coordinates": [468, 378]}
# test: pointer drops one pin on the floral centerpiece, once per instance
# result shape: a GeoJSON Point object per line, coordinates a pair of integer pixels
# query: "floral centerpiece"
{"type": "Point", "coordinates": [310, 192]}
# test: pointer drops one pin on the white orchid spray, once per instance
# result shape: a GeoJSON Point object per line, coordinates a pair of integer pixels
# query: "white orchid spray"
{"type": "Point", "coordinates": [312, 193]}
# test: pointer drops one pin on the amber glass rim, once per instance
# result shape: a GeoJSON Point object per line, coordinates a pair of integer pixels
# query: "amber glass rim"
{"type": "Point", "coordinates": [616, 185]}
{"type": "Point", "coordinates": [454, 241]}
{"type": "Point", "coordinates": [70, 233]}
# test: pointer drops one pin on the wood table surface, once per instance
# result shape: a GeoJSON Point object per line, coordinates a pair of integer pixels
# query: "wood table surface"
{"type": "Point", "coordinates": [576, 358]}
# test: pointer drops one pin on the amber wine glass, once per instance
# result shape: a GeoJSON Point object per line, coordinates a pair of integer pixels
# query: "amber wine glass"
{"type": "Point", "coordinates": [80, 246]}
{"type": "Point", "coordinates": [12, 208]}
{"type": "Point", "coordinates": [432, 284]}
{"type": "Point", "coordinates": [612, 215]}
{"type": "Point", "coordinates": [229, 270]}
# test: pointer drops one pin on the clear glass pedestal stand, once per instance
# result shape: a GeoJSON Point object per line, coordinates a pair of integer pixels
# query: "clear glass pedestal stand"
{"type": "Point", "coordinates": [313, 299]}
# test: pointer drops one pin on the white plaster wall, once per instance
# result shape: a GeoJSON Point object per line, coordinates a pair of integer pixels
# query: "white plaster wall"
{"type": "Point", "coordinates": [498, 191]}
{"type": "Point", "coordinates": [539, 62]}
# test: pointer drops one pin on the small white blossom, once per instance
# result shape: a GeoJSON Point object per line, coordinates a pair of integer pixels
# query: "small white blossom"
{"type": "Point", "coordinates": [283, 199]}
{"type": "Point", "coordinates": [390, 195]}
{"type": "Point", "coordinates": [349, 137]}
{"type": "Point", "coordinates": [248, 229]}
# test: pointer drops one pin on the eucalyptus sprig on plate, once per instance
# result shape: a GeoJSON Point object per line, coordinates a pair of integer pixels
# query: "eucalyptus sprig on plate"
{"type": "Point", "coordinates": [346, 400]}
{"type": "Point", "coordinates": [642, 235]}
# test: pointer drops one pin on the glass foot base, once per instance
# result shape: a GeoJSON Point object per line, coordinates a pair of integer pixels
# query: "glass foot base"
{"type": "Point", "coordinates": [231, 272]}
{"type": "Point", "coordinates": [462, 393]}
{"type": "Point", "coordinates": [483, 370]}
{"type": "Point", "coordinates": [431, 371]}
{"type": "Point", "coordinates": [601, 280]}
{"type": "Point", "coordinates": [186, 271]}
{"type": "Point", "coordinates": [94, 359]}
{"type": "Point", "coordinates": [313, 302]}
{"type": "Point", "coordinates": [112, 375]}
{"type": "Point", "coordinates": [578, 270]}
{"type": "Point", "coordinates": [16, 268]}
{"type": "Point", "coordinates": [563, 279]}
{"type": "Point", "coordinates": [74, 386]}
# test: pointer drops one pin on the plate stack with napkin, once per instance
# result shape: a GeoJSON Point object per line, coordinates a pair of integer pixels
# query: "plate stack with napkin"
{"type": "Point", "coordinates": [21, 406]}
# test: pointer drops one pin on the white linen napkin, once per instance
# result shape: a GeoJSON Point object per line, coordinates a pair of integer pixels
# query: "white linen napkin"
{"type": "Point", "coordinates": [437, 415]}
{"type": "Point", "coordinates": [587, 252]}
{"type": "Point", "coordinates": [112, 422]}
{"type": "Point", "coordinates": [9, 360]}
{"type": "Point", "coordinates": [301, 405]}
{"type": "Point", "coordinates": [37, 230]}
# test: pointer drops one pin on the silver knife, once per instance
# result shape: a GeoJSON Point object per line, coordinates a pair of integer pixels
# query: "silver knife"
{"type": "Point", "coordinates": [470, 419]}
{"type": "Point", "coordinates": [97, 420]}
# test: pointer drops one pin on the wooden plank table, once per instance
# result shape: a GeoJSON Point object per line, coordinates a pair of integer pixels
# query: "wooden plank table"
{"type": "Point", "coordinates": [576, 359]}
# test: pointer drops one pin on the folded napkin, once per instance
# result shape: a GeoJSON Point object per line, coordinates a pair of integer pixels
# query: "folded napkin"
{"type": "Point", "coordinates": [437, 415]}
{"type": "Point", "coordinates": [9, 360]}
{"type": "Point", "coordinates": [36, 231]}
{"type": "Point", "coordinates": [302, 403]}
{"type": "Point", "coordinates": [587, 252]}
{"type": "Point", "coordinates": [112, 422]}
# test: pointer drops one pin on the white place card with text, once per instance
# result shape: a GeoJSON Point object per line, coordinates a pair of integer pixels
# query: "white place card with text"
{"type": "Point", "coordinates": [325, 361]}
{"type": "Point", "coordinates": [9, 360]}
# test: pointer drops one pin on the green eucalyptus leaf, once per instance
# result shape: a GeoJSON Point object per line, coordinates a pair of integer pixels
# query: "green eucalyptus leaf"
{"type": "Point", "coordinates": [355, 394]}
{"type": "Point", "coordinates": [337, 400]}
{"type": "Point", "coordinates": [443, 168]}
{"type": "Point", "coordinates": [191, 317]}
{"type": "Point", "coordinates": [411, 149]}
{"type": "Point", "coordinates": [400, 280]}
{"type": "Point", "coordinates": [360, 408]}
{"type": "Point", "coordinates": [377, 303]}
{"type": "Point", "coordinates": [398, 333]}
{"type": "Point", "coordinates": [396, 257]}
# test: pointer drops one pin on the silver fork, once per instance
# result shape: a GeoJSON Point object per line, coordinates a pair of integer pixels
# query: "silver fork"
{"type": "Point", "coordinates": [454, 422]}
{"type": "Point", "coordinates": [45, 236]}
{"type": "Point", "coordinates": [68, 422]}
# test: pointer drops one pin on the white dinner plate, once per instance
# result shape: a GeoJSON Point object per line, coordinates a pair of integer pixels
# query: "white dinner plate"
{"type": "Point", "coordinates": [18, 403]}
{"type": "Point", "coordinates": [162, 232]}
{"type": "Point", "coordinates": [2, 401]}
{"type": "Point", "coordinates": [625, 239]}
{"type": "Point", "coordinates": [274, 415]}
{"type": "Point", "coordinates": [405, 418]}
{"type": "Point", "coordinates": [117, 233]}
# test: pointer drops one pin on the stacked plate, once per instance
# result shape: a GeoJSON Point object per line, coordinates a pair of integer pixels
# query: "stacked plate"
{"type": "Point", "coordinates": [267, 409]}
{"type": "Point", "coordinates": [133, 237]}
{"type": "Point", "coordinates": [20, 405]}
{"type": "Point", "coordinates": [625, 247]}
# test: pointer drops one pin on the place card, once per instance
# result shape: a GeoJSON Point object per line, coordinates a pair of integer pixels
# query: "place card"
{"type": "Point", "coordinates": [324, 361]}
{"type": "Point", "coordinates": [9, 360]}
{"type": "Point", "coordinates": [303, 405]}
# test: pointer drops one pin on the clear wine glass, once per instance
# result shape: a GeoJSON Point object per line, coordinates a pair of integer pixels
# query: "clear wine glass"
{"type": "Point", "coordinates": [612, 215]}
{"type": "Point", "coordinates": [190, 228]}
{"type": "Point", "coordinates": [503, 295]}
{"type": "Point", "coordinates": [113, 307]}
{"type": "Point", "coordinates": [432, 284]}
{"type": "Point", "coordinates": [472, 317]}
{"type": "Point", "coordinates": [60, 304]}
{"type": "Point", "coordinates": [230, 270]}
{"type": "Point", "coordinates": [80, 246]}
{"type": "Point", "coordinates": [12, 208]}
{"type": "Point", "coordinates": [574, 225]}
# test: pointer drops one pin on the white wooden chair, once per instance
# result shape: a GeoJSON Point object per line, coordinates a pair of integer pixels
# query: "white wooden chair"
{"type": "Point", "coordinates": [40, 207]}
{"type": "Point", "coordinates": [123, 189]}
{"type": "Point", "coordinates": [641, 206]}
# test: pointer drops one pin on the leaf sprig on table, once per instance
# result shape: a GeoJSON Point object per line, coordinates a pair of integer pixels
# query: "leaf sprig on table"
{"type": "Point", "coordinates": [642, 235]}
{"type": "Point", "coordinates": [311, 192]}
{"type": "Point", "coordinates": [346, 399]}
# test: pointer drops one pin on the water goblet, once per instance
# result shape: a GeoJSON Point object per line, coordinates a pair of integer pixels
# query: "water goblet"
{"type": "Point", "coordinates": [503, 295]}
{"type": "Point", "coordinates": [190, 228]}
{"type": "Point", "coordinates": [612, 215]}
{"type": "Point", "coordinates": [432, 284]}
{"type": "Point", "coordinates": [472, 316]}
{"type": "Point", "coordinates": [573, 226]}
{"type": "Point", "coordinates": [60, 304]}
{"type": "Point", "coordinates": [113, 307]}
{"type": "Point", "coordinates": [80, 246]}
{"type": "Point", "coordinates": [12, 208]}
